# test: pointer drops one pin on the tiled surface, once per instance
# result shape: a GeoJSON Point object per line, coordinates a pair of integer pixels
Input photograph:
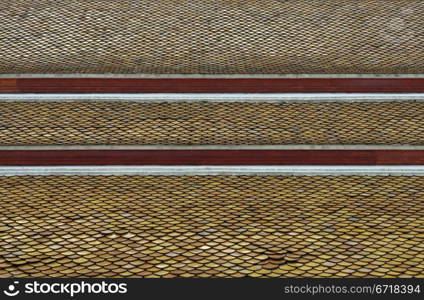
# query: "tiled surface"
{"type": "Point", "coordinates": [211, 226]}
{"type": "Point", "coordinates": [124, 123]}
{"type": "Point", "coordinates": [211, 37]}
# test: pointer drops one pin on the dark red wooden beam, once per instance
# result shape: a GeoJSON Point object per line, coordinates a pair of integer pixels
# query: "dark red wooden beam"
{"type": "Point", "coordinates": [8, 86]}
{"type": "Point", "coordinates": [212, 85]}
{"type": "Point", "coordinates": [210, 157]}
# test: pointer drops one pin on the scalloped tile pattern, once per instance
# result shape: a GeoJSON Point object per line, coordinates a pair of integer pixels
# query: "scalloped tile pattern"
{"type": "Point", "coordinates": [211, 226]}
{"type": "Point", "coordinates": [211, 37]}
{"type": "Point", "coordinates": [125, 123]}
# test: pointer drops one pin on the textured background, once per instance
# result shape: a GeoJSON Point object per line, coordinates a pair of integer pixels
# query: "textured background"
{"type": "Point", "coordinates": [129, 123]}
{"type": "Point", "coordinates": [212, 226]}
{"type": "Point", "coordinates": [212, 37]}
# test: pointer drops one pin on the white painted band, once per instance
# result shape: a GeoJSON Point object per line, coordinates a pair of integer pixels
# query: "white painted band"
{"type": "Point", "coordinates": [217, 170]}
{"type": "Point", "coordinates": [217, 97]}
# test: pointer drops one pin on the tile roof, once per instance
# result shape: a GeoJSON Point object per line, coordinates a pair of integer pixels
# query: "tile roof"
{"type": "Point", "coordinates": [211, 37]}
{"type": "Point", "coordinates": [212, 226]}
{"type": "Point", "coordinates": [130, 123]}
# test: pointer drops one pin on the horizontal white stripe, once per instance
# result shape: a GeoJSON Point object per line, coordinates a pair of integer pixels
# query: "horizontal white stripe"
{"type": "Point", "coordinates": [215, 147]}
{"type": "Point", "coordinates": [217, 97]}
{"type": "Point", "coordinates": [217, 170]}
{"type": "Point", "coordinates": [145, 75]}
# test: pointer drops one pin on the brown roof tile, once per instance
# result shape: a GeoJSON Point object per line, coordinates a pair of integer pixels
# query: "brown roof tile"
{"type": "Point", "coordinates": [211, 226]}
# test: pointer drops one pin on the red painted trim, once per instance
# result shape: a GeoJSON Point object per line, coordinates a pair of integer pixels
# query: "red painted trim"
{"type": "Point", "coordinates": [8, 86]}
{"type": "Point", "coordinates": [210, 157]}
{"type": "Point", "coordinates": [212, 85]}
